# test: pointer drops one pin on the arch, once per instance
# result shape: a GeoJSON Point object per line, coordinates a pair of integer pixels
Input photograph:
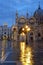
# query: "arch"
{"type": "Point", "coordinates": [39, 36]}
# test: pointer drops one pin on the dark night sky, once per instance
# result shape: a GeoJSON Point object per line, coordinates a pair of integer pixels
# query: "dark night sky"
{"type": "Point", "coordinates": [8, 9]}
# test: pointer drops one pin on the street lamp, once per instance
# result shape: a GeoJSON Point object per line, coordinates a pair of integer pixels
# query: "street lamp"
{"type": "Point", "coordinates": [26, 29]}
{"type": "Point", "coordinates": [22, 34]}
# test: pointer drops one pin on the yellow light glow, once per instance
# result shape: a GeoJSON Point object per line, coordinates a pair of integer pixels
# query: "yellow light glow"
{"type": "Point", "coordinates": [22, 34]}
{"type": "Point", "coordinates": [26, 26]}
{"type": "Point", "coordinates": [23, 29]}
{"type": "Point", "coordinates": [26, 56]}
{"type": "Point", "coordinates": [22, 48]}
{"type": "Point", "coordinates": [28, 29]}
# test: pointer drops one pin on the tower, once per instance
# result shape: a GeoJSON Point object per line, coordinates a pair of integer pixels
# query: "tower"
{"type": "Point", "coordinates": [27, 14]}
{"type": "Point", "coordinates": [27, 17]}
{"type": "Point", "coordinates": [16, 17]}
{"type": "Point", "coordinates": [39, 6]}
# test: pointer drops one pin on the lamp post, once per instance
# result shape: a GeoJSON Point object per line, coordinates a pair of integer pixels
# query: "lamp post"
{"type": "Point", "coordinates": [26, 29]}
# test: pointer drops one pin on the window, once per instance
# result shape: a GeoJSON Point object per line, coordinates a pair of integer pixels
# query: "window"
{"type": "Point", "coordinates": [5, 33]}
{"type": "Point", "coordinates": [39, 34]}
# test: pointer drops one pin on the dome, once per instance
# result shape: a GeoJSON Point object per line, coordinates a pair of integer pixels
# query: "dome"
{"type": "Point", "coordinates": [39, 15]}
{"type": "Point", "coordinates": [38, 12]}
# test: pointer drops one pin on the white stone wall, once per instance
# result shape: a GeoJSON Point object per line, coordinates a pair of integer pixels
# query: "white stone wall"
{"type": "Point", "coordinates": [5, 31]}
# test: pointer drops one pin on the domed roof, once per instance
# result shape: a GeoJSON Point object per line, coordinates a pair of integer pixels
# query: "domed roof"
{"type": "Point", "coordinates": [38, 12]}
{"type": "Point", "coordinates": [39, 15]}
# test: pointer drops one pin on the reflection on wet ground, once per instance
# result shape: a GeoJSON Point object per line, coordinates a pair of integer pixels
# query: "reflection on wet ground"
{"type": "Point", "coordinates": [29, 55]}
{"type": "Point", "coordinates": [26, 54]}
{"type": "Point", "coordinates": [8, 64]}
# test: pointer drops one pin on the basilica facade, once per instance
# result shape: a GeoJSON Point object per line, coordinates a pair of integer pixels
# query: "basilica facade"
{"type": "Point", "coordinates": [27, 29]}
{"type": "Point", "coordinates": [35, 33]}
{"type": "Point", "coordinates": [35, 23]}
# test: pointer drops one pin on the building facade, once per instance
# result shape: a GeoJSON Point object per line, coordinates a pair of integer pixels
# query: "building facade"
{"type": "Point", "coordinates": [35, 23]}
{"type": "Point", "coordinates": [5, 32]}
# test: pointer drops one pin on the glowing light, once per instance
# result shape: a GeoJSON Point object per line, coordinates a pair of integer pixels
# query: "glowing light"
{"type": "Point", "coordinates": [26, 54]}
{"type": "Point", "coordinates": [22, 48]}
{"type": "Point", "coordinates": [28, 29]}
{"type": "Point", "coordinates": [26, 26]}
{"type": "Point", "coordinates": [23, 34]}
{"type": "Point", "coordinates": [23, 29]}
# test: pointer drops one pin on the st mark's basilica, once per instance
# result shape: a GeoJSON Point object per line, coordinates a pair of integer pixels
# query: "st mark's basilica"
{"type": "Point", "coordinates": [35, 23]}
{"type": "Point", "coordinates": [26, 28]}
{"type": "Point", "coordinates": [29, 28]}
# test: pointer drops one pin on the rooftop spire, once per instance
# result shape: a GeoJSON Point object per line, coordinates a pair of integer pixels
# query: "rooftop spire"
{"type": "Point", "coordinates": [16, 16]}
{"type": "Point", "coordinates": [39, 5]}
{"type": "Point", "coordinates": [16, 13]}
{"type": "Point", "coordinates": [27, 13]}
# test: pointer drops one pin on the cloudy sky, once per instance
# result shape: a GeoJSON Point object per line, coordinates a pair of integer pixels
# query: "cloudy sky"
{"type": "Point", "coordinates": [8, 9]}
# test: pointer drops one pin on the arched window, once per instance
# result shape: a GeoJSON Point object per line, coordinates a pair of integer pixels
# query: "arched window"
{"type": "Point", "coordinates": [14, 29]}
{"type": "Point", "coordinates": [5, 33]}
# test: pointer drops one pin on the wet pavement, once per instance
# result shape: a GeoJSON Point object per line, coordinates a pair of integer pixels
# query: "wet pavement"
{"type": "Point", "coordinates": [12, 57]}
{"type": "Point", "coordinates": [8, 64]}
